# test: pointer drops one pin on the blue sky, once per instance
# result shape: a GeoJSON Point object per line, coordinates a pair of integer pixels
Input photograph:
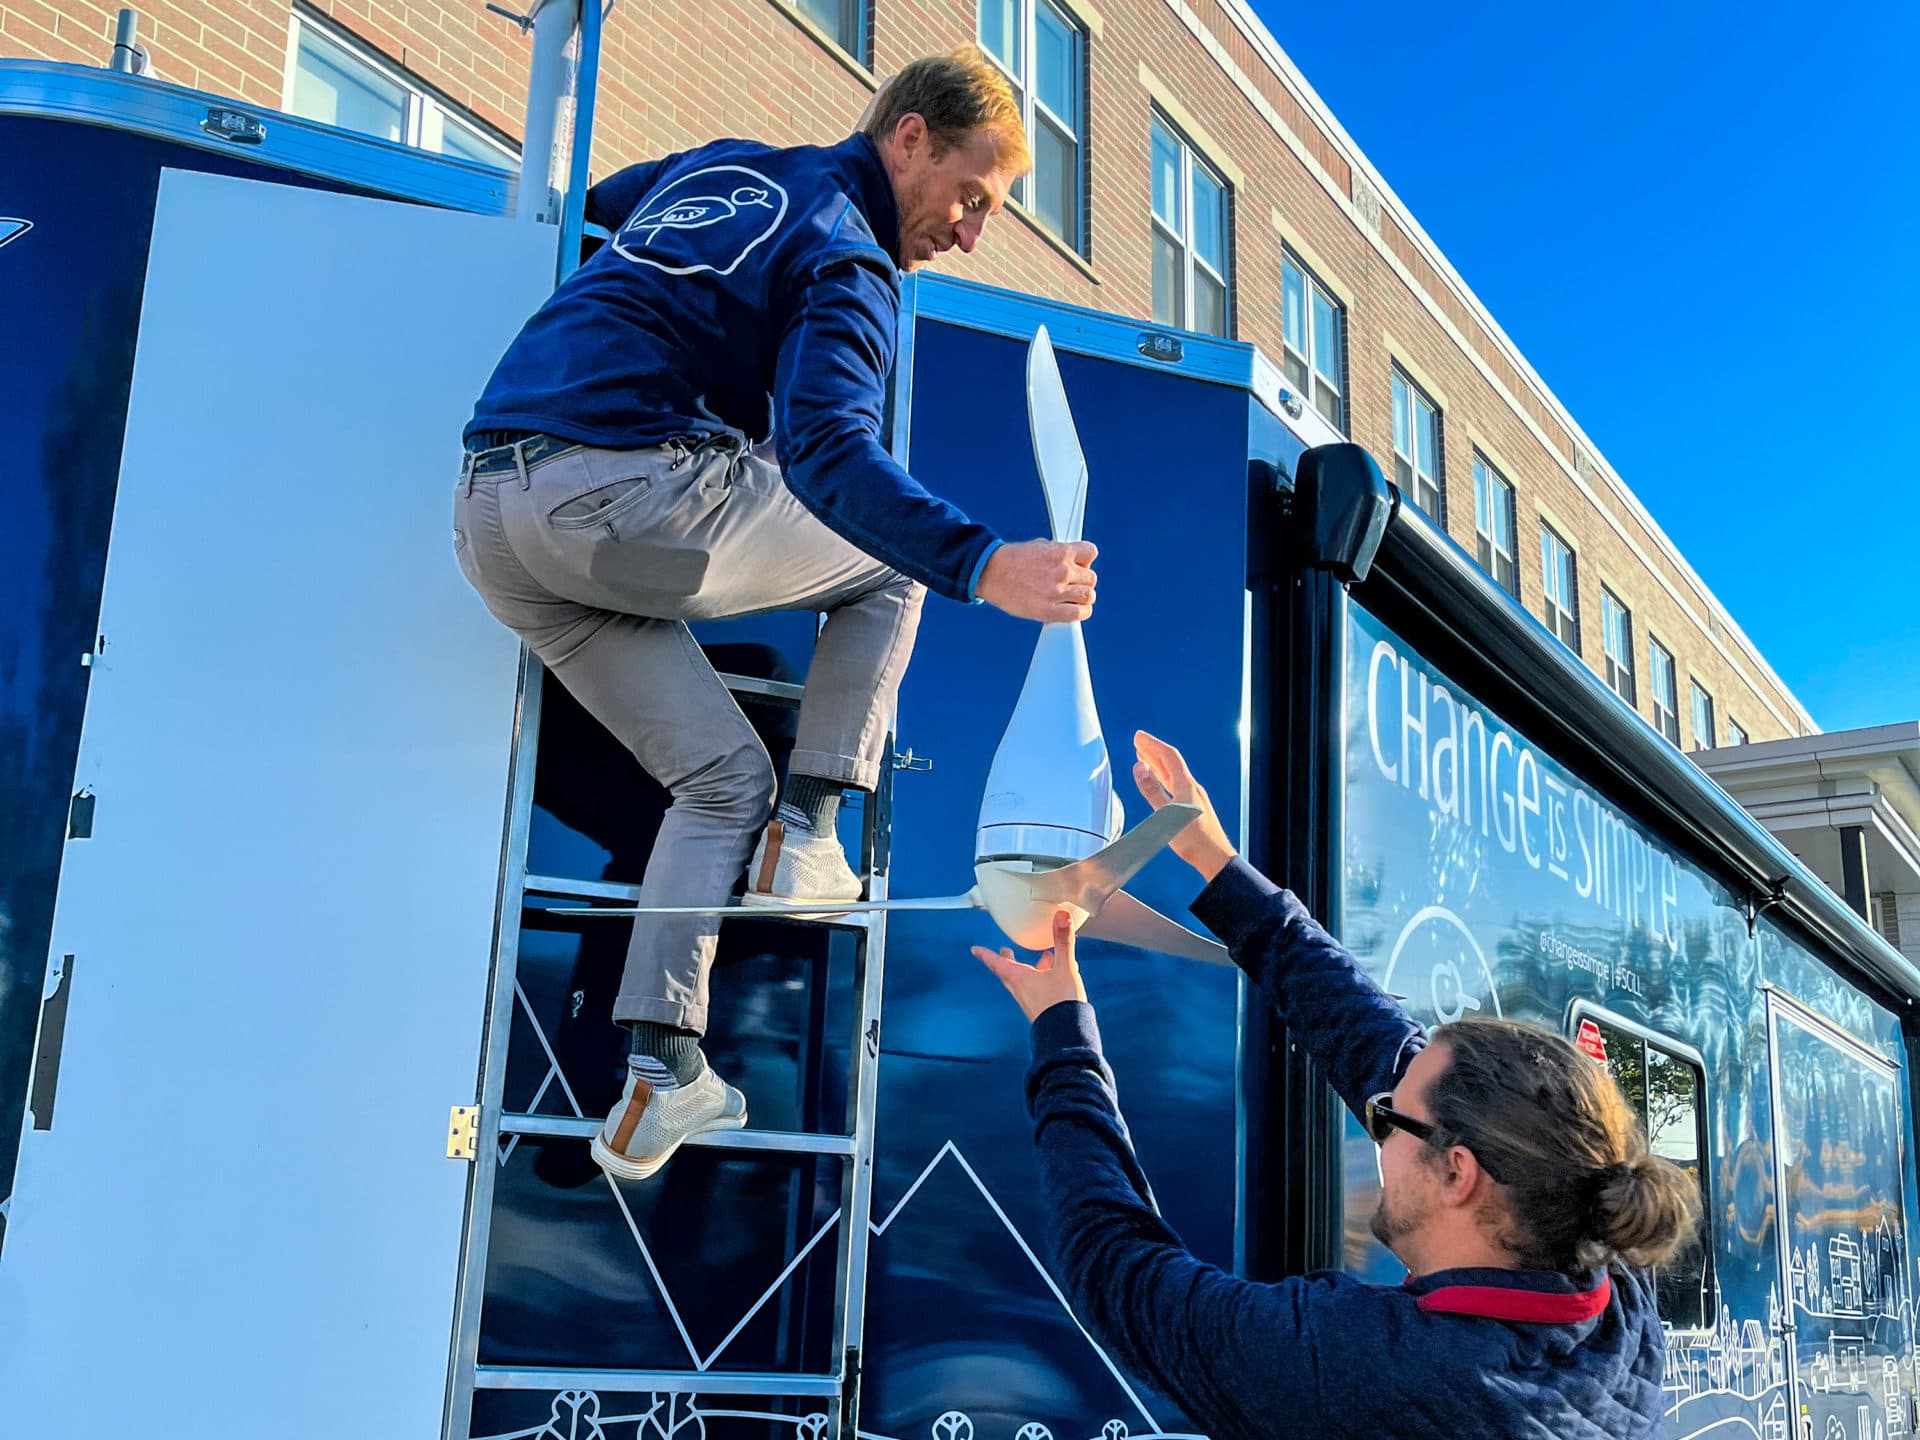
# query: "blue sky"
{"type": "Point", "coordinates": [1698, 222]}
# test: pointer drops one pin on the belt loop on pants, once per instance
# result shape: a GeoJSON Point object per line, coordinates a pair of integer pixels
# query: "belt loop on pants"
{"type": "Point", "coordinates": [520, 465]}
{"type": "Point", "coordinates": [466, 469]}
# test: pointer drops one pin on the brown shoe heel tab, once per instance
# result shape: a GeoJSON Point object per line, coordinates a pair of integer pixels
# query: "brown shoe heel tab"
{"type": "Point", "coordinates": [629, 1122]}
{"type": "Point", "coordinates": [770, 862]}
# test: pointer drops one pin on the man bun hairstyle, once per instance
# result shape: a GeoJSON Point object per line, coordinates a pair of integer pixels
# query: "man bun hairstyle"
{"type": "Point", "coordinates": [1551, 1127]}
{"type": "Point", "coordinates": [957, 95]}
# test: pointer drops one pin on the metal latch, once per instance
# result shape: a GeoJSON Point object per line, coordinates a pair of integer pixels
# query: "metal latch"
{"type": "Point", "coordinates": [463, 1132]}
{"type": "Point", "coordinates": [907, 760]}
{"type": "Point", "coordinates": [234, 125]}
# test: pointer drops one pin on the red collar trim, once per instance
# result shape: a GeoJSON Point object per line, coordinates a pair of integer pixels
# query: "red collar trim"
{"type": "Point", "coordinates": [1495, 1302]}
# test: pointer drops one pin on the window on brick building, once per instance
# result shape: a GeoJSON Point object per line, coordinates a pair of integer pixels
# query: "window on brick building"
{"type": "Point", "coordinates": [338, 80]}
{"type": "Point", "coordinates": [1043, 51]}
{"type": "Point", "coordinates": [1616, 631]}
{"type": "Point", "coordinates": [1560, 587]}
{"type": "Point", "coordinates": [842, 21]}
{"type": "Point", "coordinates": [1702, 718]}
{"type": "Point", "coordinates": [1666, 694]}
{"type": "Point", "coordinates": [1191, 223]}
{"type": "Point", "coordinates": [1493, 525]}
{"type": "Point", "coordinates": [1313, 328]}
{"type": "Point", "coordinates": [1416, 448]}
{"type": "Point", "coordinates": [1736, 732]}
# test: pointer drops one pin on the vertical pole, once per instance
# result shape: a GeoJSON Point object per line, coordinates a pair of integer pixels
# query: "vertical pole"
{"type": "Point", "coordinates": [553, 28]}
{"type": "Point", "coordinates": [586, 90]}
{"type": "Point", "coordinates": [1853, 869]}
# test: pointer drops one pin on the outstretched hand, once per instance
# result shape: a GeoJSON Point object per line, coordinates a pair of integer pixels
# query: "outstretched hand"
{"type": "Point", "coordinates": [1162, 775]}
{"type": "Point", "coordinates": [1039, 987]}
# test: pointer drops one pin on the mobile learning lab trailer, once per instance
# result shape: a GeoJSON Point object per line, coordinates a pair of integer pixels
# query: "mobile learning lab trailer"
{"type": "Point", "coordinates": [313, 832]}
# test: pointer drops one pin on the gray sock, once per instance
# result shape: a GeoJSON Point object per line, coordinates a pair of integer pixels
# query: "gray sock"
{"type": "Point", "coordinates": [810, 802]}
{"type": "Point", "coordinates": [674, 1053]}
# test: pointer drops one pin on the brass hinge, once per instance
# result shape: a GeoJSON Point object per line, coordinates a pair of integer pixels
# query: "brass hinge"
{"type": "Point", "coordinates": [463, 1132]}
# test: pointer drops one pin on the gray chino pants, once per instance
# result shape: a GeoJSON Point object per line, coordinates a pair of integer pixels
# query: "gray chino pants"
{"type": "Point", "coordinates": [597, 559]}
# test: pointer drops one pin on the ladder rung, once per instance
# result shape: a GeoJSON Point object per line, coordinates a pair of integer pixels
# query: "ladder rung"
{"type": "Point", "coordinates": [658, 1382]}
{"type": "Point", "coordinates": [767, 689]}
{"type": "Point", "coordinates": [797, 1142]}
{"type": "Point", "coordinates": [544, 885]}
{"type": "Point", "coordinates": [581, 889]}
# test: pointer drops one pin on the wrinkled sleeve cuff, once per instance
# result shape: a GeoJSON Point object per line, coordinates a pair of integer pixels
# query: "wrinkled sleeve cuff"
{"type": "Point", "coordinates": [979, 569]}
{"type": "Point", "coordinates": [1234, 901]}
{"type": "Point", "coordinates": [1067, 1026]}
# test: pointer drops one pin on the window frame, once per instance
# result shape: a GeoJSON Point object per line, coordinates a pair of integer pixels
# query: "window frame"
{"type": "Point", "coordinates": [861, 52]}
{"type": "Point", "coordinates": [1698, 692]}
{"type": "Point", "coordinates": [425, 112]}
{"type": "Point", "coordinates": [1737, 734]}
{"type": "Point", "coordinates": [1031, 104]}
{"type": "Point", "coordinates": [1400, 380]}
{"type": "Point", "coordinates": [1309, 360]}
{"type": "Point", "coordinates": [1675, 1049]}
{"type": "Point", "coordinates": [1549, 603]}
{"type": "Point", "coordinates": [1613, 663]}
{"type": "Point", "coordinates": [1193, 160]}
{"type": "Point", "coordinates": [1655, 650]}
{"type": "Point", "coordinates": [1487, 545]}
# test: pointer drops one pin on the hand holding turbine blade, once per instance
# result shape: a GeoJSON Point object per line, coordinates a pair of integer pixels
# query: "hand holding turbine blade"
{"type": "Point", "coordinates": [1048, 580]}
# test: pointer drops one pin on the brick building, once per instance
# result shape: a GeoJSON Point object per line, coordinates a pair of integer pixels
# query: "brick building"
{"type": "Point", "coordinates": [1187, 174]}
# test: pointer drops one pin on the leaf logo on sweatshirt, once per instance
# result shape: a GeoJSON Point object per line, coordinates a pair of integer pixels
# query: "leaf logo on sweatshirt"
{"type": "Point", "coordinates": [11, 229]}
{"type": "Point", "coordinates": [708, 220]}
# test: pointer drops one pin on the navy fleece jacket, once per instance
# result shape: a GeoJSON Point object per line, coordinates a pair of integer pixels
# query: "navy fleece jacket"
{"type": "Point", "coordinates": [1483, 1353]}
{"type": "Point", "coordinates": [753, 290]}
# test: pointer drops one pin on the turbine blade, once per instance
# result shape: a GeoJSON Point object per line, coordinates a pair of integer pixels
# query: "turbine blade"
{"type": "Point", "coordinates": [1087, 883]}
{"type": "Point", "coordinates": [1126, 921]}
{"type": "Point", "coordinates": [1056, 443]}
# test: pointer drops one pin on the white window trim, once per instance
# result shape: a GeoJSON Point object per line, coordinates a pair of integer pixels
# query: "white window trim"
{"type": "Point", "coordinates": [1653, 687]}
{"type": "Point", "coordinates": [1417, 396]}
{"type": "Point", "coordinates": [1549, 582]}
{"type": "Point", "coordinates": [1190, 158]}
{"type": "Point", "coordinates": [1696, 692]}
{"type": "Point", "coordinates": [1030, 103]}
{"type": "Point", "coordinates": [427, 115]}
{"type": "Point", "coordinates": [1496, 483]}
{"type": "Point", "coordinates": [1624, 662]}
{"type": "Point", "coordinates": [1312, 281]}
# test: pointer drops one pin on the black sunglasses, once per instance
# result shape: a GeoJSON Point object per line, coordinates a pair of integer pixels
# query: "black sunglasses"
{"type": "Point", "coordinates": [1383, 1120]}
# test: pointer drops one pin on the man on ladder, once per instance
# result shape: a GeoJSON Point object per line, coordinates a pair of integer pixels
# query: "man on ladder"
{"type": "Point", "coordinates": [610, 494]}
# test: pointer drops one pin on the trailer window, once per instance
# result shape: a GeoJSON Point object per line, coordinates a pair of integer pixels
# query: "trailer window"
{"type": "Point", "coordinates": [1666, 1091]}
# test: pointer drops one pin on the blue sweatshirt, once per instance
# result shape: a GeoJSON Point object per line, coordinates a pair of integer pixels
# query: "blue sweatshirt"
{"type": "Point", "coordinates": [1480, 1352]}
{"type": "Point", "coordinates": [745, 289]}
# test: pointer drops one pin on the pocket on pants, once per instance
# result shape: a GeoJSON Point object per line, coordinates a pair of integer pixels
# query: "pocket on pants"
{"type": "Point", "coordinates": [601, 504]}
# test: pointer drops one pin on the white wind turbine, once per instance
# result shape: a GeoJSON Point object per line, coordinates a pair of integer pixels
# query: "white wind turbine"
{"type": "Point", "coordinates": [1050, 831]}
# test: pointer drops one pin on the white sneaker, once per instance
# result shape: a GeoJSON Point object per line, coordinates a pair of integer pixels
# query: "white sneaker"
{"type": "Point", "coordinates": [648, 1125]}
{"type": "Point", "coordinates": [792, 866]}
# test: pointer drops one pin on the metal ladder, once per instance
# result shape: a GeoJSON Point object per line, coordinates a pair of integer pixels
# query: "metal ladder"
{"type": "Point", "coordinates": [493, 1125]}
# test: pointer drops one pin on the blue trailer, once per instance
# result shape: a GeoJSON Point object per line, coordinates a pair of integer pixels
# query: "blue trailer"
{"type": "Point", "coordinates": [303, 1056]}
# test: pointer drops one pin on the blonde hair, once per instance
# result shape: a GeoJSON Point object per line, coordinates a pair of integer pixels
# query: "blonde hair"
{"type": "Point", "coordinates": [957, 95]}
{"type": "Point", "coordinates": [1555, 1132]}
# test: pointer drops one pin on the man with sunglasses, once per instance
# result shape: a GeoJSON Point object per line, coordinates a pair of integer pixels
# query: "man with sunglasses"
{"type": "Point", "coordinates": [1516, 1187]}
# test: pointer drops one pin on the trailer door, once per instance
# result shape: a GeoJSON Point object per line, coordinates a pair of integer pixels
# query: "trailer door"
{"type": "Point", "coordinates": [1845, 1276]}
{"type": "Point", "coordinates": [275, 931]}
